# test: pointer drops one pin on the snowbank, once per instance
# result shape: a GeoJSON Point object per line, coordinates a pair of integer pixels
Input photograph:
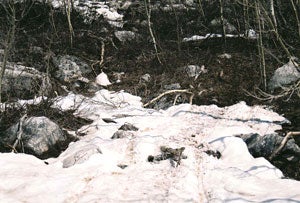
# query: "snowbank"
{"type": "Point", "coordinates": [100, 169]}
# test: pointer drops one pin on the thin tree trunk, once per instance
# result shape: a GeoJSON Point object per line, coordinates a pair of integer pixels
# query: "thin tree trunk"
{"type": "Point", "coordinates": [296, 15]}
{"type": "Point", "coordinates": [260, 45]}
{"type": "Point", "coordinates": [9, 42]}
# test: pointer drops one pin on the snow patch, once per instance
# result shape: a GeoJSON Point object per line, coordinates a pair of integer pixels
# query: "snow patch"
{"type": "Point", "coordinates": [100, 169]}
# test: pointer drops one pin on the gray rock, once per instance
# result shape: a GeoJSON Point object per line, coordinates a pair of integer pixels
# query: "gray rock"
{"type": "Point", "coordinates": [217, 27]}
{"type": "Point", "coordinates": [24, 82]}
{"type": "Point", "coordinates": [128, 127]}
{"type": "Point", "coordinates": [39, 136]}
{"type": "Point", "coordinates": [285, 75]}
{"type": "Point", "coordinates": [145, 78]}
{"type": "Point", "coordinates": [173, 86]}
{"type": "Point", "coordinates": [193, 71]}
{"type": "Point", "coordinates": [263, 146]}
{"type": "Point", "coordinates": [125, 36]}
{"type": "Point", "coordinates": [70, 68]}
{"type": "Point", "coordinates": [92, 10]}
{"type": "Point", "coordinates": [122, 134]}
{"type": "Point", "coordinates": [189, 2]}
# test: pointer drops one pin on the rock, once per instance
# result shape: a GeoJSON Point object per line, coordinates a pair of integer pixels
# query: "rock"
{"type": "Point", "coordinates": [225, 56]}
{"type": "Point", "coordinates": [193, 71]}
{"type": "Point", "coordinates": [263, 146]}
{"type": "Point", "coordinates": [122, 134]}
{"type": "Point", "coordinates": [125, 36]}
{"type": "Point", "coordinates": [217, 27]}
{"type": "Point", "coordinates": [102, 79]}
{"type": "Point", "coordinates": [118, 76]}
{"type": "Point", "coordinates": [173, 86]}
{"type": "Point", "coordinates": [189, 2]}
{"type": "Point", "coordinates": [146, 78]}
{"type": "Point", "coordinates": [24, 82]}
{"type": "Point", "coordinates": [39, 136]}
{"type": "Point", "coordinates": [251, 34]}
{"type": "Point", "coordinates": [36, 50]}
{"type": "Point", "coordinates": [70, 68]}
{"type": "Point", "coordinates": [128, 127]}
{"type": "Point", "coordinates": [91, 10]}
{"type": "Point", "coordinates": [285, 75]}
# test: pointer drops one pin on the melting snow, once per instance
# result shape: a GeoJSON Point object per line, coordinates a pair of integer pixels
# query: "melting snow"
{"type": "Point", "coordinates": [90, 169]}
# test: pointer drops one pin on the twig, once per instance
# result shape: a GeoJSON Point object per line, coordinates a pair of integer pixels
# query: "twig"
{"type": "Point", "coordinates": [283, 143]}
{"type": "Point", "coordinates": [170, 92]}
{"type": "Point", "coordinates": [102, 54]}
{"type": "Point", "coordinates": [148, 13]}
{"type": "Point", "coordinates": [20, 131]}
{"type": "Point", "coordinates": [286, 92]}
{"type": "Point", "coordinates": [296, 15]}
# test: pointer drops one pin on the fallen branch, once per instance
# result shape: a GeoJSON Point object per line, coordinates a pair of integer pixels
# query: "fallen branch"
{"type": "Point", "coordinates": [283, 143]}
{"type": "Point", "coordinates": [171, 92]}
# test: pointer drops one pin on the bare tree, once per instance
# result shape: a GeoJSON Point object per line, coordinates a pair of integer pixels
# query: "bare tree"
{"type": "Point", "coordinates": [12, 19]}
{"type": "Point", "coordinates": [9, 7]}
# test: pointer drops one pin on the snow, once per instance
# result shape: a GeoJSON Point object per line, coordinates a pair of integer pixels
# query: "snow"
{"type": "Point", "coordinates": [89, 170]}
{"type": "Point", "coordinates": [102, 79]}
{"type": "Point", "coordinates": [250, 34]}
{"type": "Point", "coordinates": [92, 10]}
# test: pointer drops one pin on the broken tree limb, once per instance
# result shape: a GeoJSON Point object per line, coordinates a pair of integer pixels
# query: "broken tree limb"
{"type": "Point", "coordinates": [283, 143]}
{"type": "Point", "coordinates": [171, 92]}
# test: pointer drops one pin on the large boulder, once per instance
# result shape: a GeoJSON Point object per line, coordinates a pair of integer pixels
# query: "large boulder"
{"type": "Point", "coordinates": [264, 146]}
{"type": "Point", "coordinates": [38, 136]}
{"type": "Point", "coordinates": [285, 75]}
{"type": "Point", "coordinates": [24, 82]}
{"type": "Point", "coordinates": [70, 68]}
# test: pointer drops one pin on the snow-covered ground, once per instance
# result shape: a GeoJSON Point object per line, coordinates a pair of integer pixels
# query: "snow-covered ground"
{"type": "Point", "coordinates": [100, 169]}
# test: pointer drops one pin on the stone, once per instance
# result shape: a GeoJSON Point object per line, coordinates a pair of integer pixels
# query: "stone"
{"type": "Point", "coordinates": [263, 146]}
{"type": "Point", "coordinates": [39, 136]}
{"type": "Point", "coordinates": [193, 71]}
{"type": "Point", "coordinates": [24, 82]}
{"type": "Point", "coordinates": [285, 75]}
{"type": "Point", "coordinates": [128, 127]}
{"type": "Point", "coordinates": [146, 78]}
{"type": "Point", "coordinates": [217, 27]}
{"type": "Point", "coordinates": [70, 68]}
{"type": "Point", "coordinates": [224, 56]}
{"type": "Point", "coordinates": [122, 134]}
{"type": "Point", "coordinates": [173, 86]}
{"type": "Point", "coordinates": [125, 36]}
